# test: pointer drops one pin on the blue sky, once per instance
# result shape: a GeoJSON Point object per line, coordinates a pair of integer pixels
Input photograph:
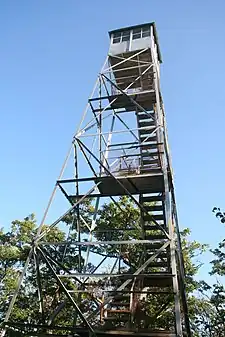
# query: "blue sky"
{"type": "Point", "coordinates": [50, 54]}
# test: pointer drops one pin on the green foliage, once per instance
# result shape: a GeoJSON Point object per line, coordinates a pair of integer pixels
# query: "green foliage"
{"type": "Point", "coordinates": [209, 319]}
{"type": "Point", "coordinates": [191, 250]}
{"type": "Point", "coordinates": [14, 248]}
{"type": "Point", "coordinates": [123, 223]}
{"type": "Point", "coordinates": [219, 214]}
{"type": "Point", "coordinates": [218, 264]}
{"type": "Point", "coordinates": [206, 303]}
{"type": "Point", "coordinates": [85, 210]}
{"type": "Point", "coordinates": [125, 215]}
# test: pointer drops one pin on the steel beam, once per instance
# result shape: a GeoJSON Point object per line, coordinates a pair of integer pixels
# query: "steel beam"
{"type": "Point", "coordinates": [116, 127]}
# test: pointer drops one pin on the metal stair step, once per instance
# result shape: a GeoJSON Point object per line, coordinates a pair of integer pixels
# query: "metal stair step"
{"type": "Point", "coordinates": [148, 138]}
{"type": "Point", "coordinates": [121, 297]}
{"type": "Point", "coordinates": [150, 155]}
{"type": "Point", "coordinates": [162, 255]}
{"type": "Point", "coordinates": [143, 123]}
{"type": "Point", "coordinates": [154, 151]}
{"type": "Point", "coordinates": [155, 170]}
{"type": "Point", "coordinates": [142, 115]}
{"type": "Point", "coordinates": [148, 147]}
{"type": "Point", "coordinates": [151, 198]}
{"type": "Point", "coordinates": [119, 304]}
{"type": "Point", "coordinates": [148, 169]}
{"type": "Point", "coordinates": [154, 246]}
{"type": "Point", "coordinates": [153, 227]}
{"type": "Point", "coordinates": [155, 237]}
{"type": "Point", "coordinates": [115, 318]}
{"type": "Point", "coordinates": [153, 208]}
{"type": "Point", "coordinates": [146, 131]}
{"type": "Point", "coordinates": [148, 275]}
{"type": "Point", "coordinates": [158, 264]}
{"type": "Point", "coordinates": [156, 217]}
{"type": "Point", "coordinates": [118, 311]}
{"type": "Point", "coordinates": [149, 162]}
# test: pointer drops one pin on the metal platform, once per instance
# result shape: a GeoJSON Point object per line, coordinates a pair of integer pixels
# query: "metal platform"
{"type": "Point", "coordinates": [134, 184]}
{"type": "Point", "coordinates": [146, 99]}
{"type": "Point", "coordinates": [82, 332]}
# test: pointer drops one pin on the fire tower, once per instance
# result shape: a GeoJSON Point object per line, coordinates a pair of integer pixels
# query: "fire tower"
{"type": "Point", "coordinates": [119, 150]}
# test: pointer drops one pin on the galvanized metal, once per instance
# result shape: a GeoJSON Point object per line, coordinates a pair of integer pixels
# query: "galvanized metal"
{"type": "Point", "coordinates": [120, 149]}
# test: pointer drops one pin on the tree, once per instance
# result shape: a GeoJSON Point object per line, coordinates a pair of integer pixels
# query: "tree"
{"type": "Point", "coordinates": [209, 320]}
{"type": "Point", "coordinates": [210, 312]}
{"type": "Point", "coordinates": [218, 264]}
{"type": "Point", "coordinates": [206, 310]}
{"type": "Point", "coordinates": [217, 290]}
{"type": "Point", "coordinates": [14, 248]}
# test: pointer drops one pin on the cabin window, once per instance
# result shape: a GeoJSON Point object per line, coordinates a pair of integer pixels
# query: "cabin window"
{"type": "Point", "coordinates": [145, 31]}
{"type": "Point", "coordinates": [121, 36]}
{"type": "Point", "coordinates": [117, 37]}
{"type": "Point", "coordinates": [138, 33]}
{"type": "Point", "coordinates": [126, 35]}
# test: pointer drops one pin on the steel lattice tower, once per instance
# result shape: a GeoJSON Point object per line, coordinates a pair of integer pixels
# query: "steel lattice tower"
{"type": "Point", "coordinates": [120, 149]}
